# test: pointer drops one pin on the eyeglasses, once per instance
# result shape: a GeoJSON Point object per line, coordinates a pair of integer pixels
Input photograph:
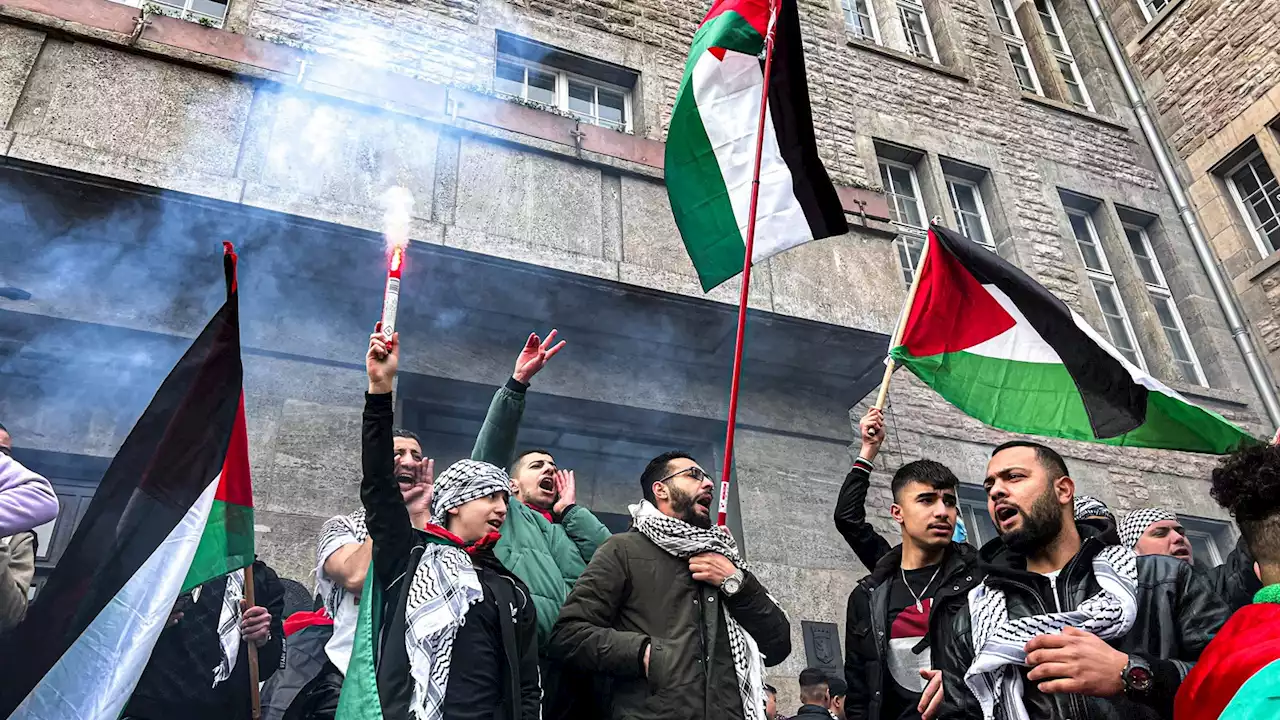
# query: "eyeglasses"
{"type": "Point", "coordinates": [694, 472]}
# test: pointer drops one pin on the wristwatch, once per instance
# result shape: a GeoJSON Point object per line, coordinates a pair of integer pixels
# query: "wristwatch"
{"type": "Point", "coordinates": [732, 584]}
{"type": "Point", "coordinates": [1137, 677]}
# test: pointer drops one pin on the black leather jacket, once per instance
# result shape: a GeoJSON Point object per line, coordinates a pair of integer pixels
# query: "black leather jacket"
{"type": "Point", "coordinates": [866, 646]}
{"type": "Point", "coordinates": [1178, 614]}
{"type": "Point", "coordinates": [1234, 578]}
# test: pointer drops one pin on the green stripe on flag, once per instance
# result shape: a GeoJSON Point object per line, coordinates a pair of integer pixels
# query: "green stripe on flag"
{"type": "Point", "coordinates": [1042, 399]}
{"type": "Point", "coordinates": [699, 197]}
{"type": "Point", "coordinates": [359, 699]}
{"type": "Point", "coordinates": [226, 545]}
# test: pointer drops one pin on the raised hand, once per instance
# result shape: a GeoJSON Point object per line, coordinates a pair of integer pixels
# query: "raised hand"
{"type": "Point", "coordinates": [872, 427]}
{"type": "Point", "coordinates": [566, 491]}
{"type": "Point", "coordinates": [381, 361]}
{"type": "Point", "coordinates": [534, 355]}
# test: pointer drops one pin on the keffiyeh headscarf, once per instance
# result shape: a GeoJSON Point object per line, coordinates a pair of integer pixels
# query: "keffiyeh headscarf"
{"type": "Point", "coordinates": [999, 643]}
{"type": "Point", "coordinates": [683, 540]}
{"type": "Point", "coordinates": [1088, 506]}
{"type": "Point", "coordinates": [1137, 522]}
{"type": "Point", "coordinates": [445, 585]}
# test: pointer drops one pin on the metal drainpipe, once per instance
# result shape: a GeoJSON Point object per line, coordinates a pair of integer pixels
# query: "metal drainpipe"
{"type": "Point", "coordinates": [1257, 371]}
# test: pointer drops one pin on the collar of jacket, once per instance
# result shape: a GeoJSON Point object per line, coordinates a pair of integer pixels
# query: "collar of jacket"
{"type": "Point", "coordinates": [957, 557]}
{"type": "Point", "coordinates": [998, 562]}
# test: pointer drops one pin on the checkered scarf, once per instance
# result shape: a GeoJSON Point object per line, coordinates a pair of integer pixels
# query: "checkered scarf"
{"type": "Point", "coordinates": [445, 586]}
{"type": "Point", "coordinates": [683, 540]}
{"type": "Point", "coordinates": [1087, 506]}
{"type": "Point", "coordinates": [999, 641]}
{"type": "Point", "coordinates": [228, 624]}
{"type": "Point", "coordinates": [1137, 522]}
{"type": "Point", "coordinates": [337, 531]}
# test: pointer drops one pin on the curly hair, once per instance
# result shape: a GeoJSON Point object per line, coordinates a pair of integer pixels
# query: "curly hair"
{"type": "Point", "coordinates": [1247, 484]}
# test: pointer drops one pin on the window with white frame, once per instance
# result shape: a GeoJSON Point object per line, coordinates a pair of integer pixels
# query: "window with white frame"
{"type": "Point", "coordinates": [971, 215]}
{"type": "Point", "coordinates": [206, 12]}
{"type": "Point", "coordinates": [1151, 8]}
{"type": "Point", "coordinates": [902, 190]}
{"type": "Point", "coordinates": [860, 19]}
{"type": "Point", "coordinates": [1076, 93]}
{"type": "Point", "coordinates": [595, 92]}
{"type": "Point", "coordinates": [1257, 195]}
{"type": "Point", "coordinates": [1016, 47]}
{"type": "Point", "coordinates": [1104, 286]}
{"type": "Point", "coordinates": [915, 27]}
{"type": "Point", "coordinates": [1184, 355]}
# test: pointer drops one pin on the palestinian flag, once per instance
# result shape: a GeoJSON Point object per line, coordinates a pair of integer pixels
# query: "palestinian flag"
{"type": "Point", "coordinates": [1238, 674]}
{"type": "Point", "coordinates": [711, 144]}
{"type": "Point", "coordinates": [173, 510]}
{"type": "Point", "coordinates": [1000, 347]}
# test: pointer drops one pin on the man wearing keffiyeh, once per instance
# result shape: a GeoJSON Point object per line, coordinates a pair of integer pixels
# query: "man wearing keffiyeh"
{"type": "Point", "coordinates": [444, 630]}
{"type": "Point", "coordinates": [670, 612]}
{"type": "Point", "coordinates": [1155, 531]}
{"type": "Point", "coordinates": [1064, 625]}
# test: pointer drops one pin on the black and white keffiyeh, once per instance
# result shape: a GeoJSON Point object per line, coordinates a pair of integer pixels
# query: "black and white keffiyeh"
{"type": "Point", "coordinates": [1087, 506]}
{"type": "Point", "coordinates": [337, 531]}
{"type": "Point", "coordinates": [999, 642]}
{"type": "Point", "coordinates": [444, 587]}
{"type": "Point", "coordinates": [1137, 522]}
{"type": "Point", "coordinates": [683, 540]}
{"type": "Point", "coordinates": [228, 625]}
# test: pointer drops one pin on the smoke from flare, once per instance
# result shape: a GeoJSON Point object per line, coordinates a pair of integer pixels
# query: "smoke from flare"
{"type": "Point", "coordinates": [398, 204]}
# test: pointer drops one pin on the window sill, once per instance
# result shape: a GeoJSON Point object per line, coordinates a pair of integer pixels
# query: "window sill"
{"type": "Point", "coordinates": [1156, 21]}
{"type": "Point", "coordinates": [906, 58]}
{"type": "Point", "coordinates": [1073, 110]}
{"type": "Point", "coordinates": [1262, 266]}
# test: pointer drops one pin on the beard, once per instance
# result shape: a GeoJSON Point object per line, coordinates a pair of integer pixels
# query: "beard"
{"type": "Point", "coordinates": [1039, 526]}
{"type": "Point", "coordinates": [685, 508]}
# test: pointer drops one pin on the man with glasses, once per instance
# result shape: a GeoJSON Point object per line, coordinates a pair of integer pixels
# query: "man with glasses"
{"type": "Point", "coordinates": [670, 612]}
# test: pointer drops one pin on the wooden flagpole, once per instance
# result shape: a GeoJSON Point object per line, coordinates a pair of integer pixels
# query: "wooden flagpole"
{"type": "Point", "coordinates": [254, 699]}
{"type": "Point", "coordinates": [889, 364]}
{"type": "Point", "coordinates": [746, 269]}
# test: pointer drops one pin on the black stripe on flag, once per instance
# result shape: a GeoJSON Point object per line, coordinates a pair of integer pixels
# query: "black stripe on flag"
{"type": "Point", "coordinates": [176, 448]}
{"type": "Point", "coordinates": [793, 123]}
{"type": "Point", "coordinates": [1114, 403]}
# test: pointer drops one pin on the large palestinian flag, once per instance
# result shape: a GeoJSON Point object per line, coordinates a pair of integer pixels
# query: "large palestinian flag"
{"type": "Point", "coordinates": [1003, 349]}
{"type": "Point", "coordinates": [173, 510]}
{"type": "Point", "coordinates": [711, 144]}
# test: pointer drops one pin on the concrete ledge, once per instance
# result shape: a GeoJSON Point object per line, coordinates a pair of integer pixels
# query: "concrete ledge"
{"type": "Point", "coordinates": [906, 58]}
{"type": "Point", "coordinates": [1073, 110]}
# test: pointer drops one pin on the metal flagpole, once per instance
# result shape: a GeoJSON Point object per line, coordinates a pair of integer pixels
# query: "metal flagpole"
{"type": "Point", "coordinates": [746, 269]}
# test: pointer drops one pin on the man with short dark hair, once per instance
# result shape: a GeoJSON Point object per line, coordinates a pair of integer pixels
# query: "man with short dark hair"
{"type": "Point", "coordinates": [770, 702]}
{"type": "Point", "coordinates": [896, 615]}
{"type": "Point", "coordinates": [671, 613]}
{"type": "Point", "coordinates": [1064, 625]}
{"type": "Point", "coordinates": [815, 696]}
{"type": "Point", "coordinates": [838, 689]}
{"type": "Point", "coordinates": [1238, 673]}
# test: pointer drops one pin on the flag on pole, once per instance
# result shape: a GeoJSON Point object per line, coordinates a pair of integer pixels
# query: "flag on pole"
{"type": "Point", "coordinates": [1003, 349]}
{"type": "Point", "coordinates": [711, 143]}
{"type": "Point", "coordinates": [174, 509]}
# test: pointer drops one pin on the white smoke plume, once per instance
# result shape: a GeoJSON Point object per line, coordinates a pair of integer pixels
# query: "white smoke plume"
{"type": "Point", "coordinates": [397, 203]}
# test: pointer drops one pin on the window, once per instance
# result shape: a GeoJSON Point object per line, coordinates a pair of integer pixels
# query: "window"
{"type": "Point", "coordinates": [206, 12]}
{"type": "Point", "coordinates": [902, 189]}
{"type": "Point", "coordinates": [1151, 8]}
{"type": "Point", "coordinates": [860, 19]}
{"type": "Point", "coordinates": [1184, 355]}
{"type": "Point", "coordinates": [915, 26]}
{"type": "Point", "coordinates": [1211, 540]}
{"type": "Point", "coordinates": [592, 91]}
{"type": "Point", "coordinates": [1016, 46]}
{"type": "Point", "coordinates": [971, 216]}
{"type": "Point", "coordinates": [1257, 196]}
{"type": "Point", "coordinates": [973, 511]}
{"type": "Point", "coordinates": [1066, 62]}
{"type": "Point", "coordinates": [1104, 286]}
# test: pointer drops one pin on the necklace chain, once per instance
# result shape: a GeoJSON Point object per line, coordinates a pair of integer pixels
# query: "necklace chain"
{"type": "Point", "coordinates": [925, 589]}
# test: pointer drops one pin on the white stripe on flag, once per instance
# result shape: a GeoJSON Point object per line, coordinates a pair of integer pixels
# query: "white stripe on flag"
{"type": "Point", "coordinates": [95, 677]}
{"type": "Point", "coordinates": [727, 94]}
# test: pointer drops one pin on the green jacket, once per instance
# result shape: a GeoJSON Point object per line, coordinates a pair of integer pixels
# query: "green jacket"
{"type": "Point", "coordinates": [547, 556]}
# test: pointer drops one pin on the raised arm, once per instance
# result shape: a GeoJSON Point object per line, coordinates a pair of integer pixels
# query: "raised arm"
{"type": "Point", "coordinates": [851, 512]}
{"type": "Point", "coordinates": [496, 442]}
{"type": "Point", "coordinates": [385, 513]}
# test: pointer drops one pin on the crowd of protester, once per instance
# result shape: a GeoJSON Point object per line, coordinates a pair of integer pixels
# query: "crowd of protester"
{"type": "Point", "coordinates": [487, 592]}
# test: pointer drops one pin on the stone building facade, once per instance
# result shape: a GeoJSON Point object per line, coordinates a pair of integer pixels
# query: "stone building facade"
{"type": "Point", "coordinates": [1211, 75]}
{"type": "Point", "coordinates": [132, 143]}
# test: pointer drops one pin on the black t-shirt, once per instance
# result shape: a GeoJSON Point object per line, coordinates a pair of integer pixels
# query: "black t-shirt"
{"type": "Point", "coordinates": [908, 625]}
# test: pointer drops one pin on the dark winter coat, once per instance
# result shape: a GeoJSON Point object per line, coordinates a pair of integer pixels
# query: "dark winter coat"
{"type": "Point", "coordinates": [1178, 614]}
{"type": "Point", "coordinates": [1234, 579]}
{"type": "Point", "coordinates": [866, 647]}
{"type": "Point", "coordinates": [634, 595]}
{"type": "Point", "coordinates": [851, 516]}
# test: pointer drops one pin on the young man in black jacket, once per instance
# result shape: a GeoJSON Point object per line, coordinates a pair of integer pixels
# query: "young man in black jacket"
{"type": "Point", "coordinates": [898, 614]}
{"type": "Point", "coordinates": [1064, 625]}
{"type": "Point", "coordinates": [459, 638]}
